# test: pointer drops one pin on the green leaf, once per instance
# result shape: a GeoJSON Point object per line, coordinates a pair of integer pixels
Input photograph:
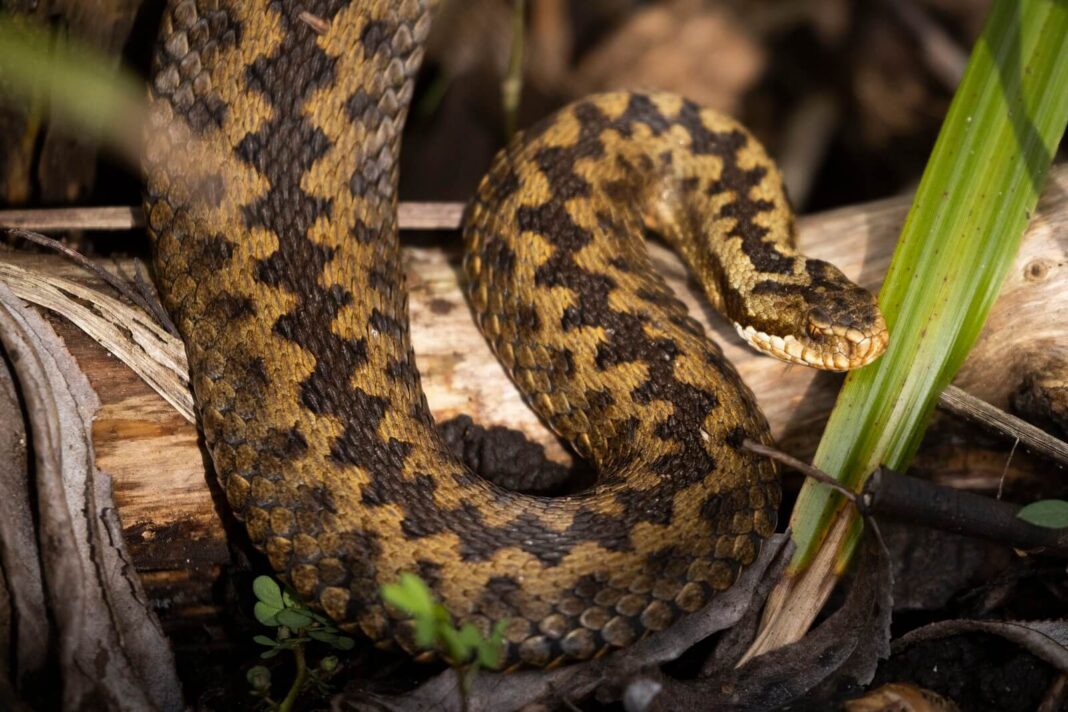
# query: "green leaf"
{"type": "Point", "coordinates": [322, 636]}
{"type": "Point", "coordinates": [264, 640]}
{"type": "Point", "coordinates": [426, 632]}
{"type": "Point", "coordinates": [489, 651]}
{"type": "Point", "coordinates": [455, 649]}
{"type": "Point", "coordinates": [82, 86]}
{"type": "Point", "coordinates": [268, 591]}
{"type": "Point", "coordinates": [344, 642]}
{"type": "Point", "coordinates": [266, 614]}
{"type": "Point", "coordinates": [410, 595]}
{"type": "Point", "coordinates": [1051, 513]}
{"type": "Point", "coordinates": [293, 618]}
{"type": "Point", "coordinates": [470, 638]}
{"type": "Point", "coordinates": [267, 655]}
{"type": "Point", "coordinates": [961, 236]}
{"type": "Point", "coordinates": [321, 620]}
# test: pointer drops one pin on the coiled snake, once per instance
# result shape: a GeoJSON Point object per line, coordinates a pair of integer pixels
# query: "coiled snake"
{"type": "Point", "coordinates": [279, 260]}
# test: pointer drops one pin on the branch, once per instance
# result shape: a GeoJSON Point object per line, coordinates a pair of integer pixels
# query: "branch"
{"type": "Point", "coordinates": [411, 216]}
{"type": "Point", "coordinates": [961, 403]}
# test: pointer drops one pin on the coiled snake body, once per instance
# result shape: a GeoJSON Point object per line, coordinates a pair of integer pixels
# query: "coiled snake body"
{"type": "Point", "coordinates": [279, 259]}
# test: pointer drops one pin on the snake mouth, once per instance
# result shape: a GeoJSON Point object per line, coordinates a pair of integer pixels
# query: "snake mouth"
{"type": "Point", "coordinates": [834, 348]}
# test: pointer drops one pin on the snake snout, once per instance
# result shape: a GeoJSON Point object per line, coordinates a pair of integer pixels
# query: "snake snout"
{"type": "Point", "coordinates": [847, 333]}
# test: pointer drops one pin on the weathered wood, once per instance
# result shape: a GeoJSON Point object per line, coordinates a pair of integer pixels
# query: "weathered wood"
{"type": "Point", "coordinates": [411, 216]}
{"type": "Point", "coordinates": [173, 517]}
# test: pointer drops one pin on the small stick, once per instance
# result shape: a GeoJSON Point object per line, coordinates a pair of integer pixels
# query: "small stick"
{"type": "Point", "coordinates": [968, 406]}
{"type": "Point", "coordinates": [411, 216]}
{"type": "Point", "coordinates": [63, 219]}
{"type": "Point", "coordinates": [158, 311]}
{"type": "Point", "coordinates": [803, 467]}
{"type": "Point", "coordinates": [822, 477]}
{"type": "Point", "coordinates": [945, 58]}
{"type": "Point", "coordinates": [911, 499]}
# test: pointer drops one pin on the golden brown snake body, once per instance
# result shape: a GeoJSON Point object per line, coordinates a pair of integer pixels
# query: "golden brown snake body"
{"type": "Point", "coordinates": [280, 262]}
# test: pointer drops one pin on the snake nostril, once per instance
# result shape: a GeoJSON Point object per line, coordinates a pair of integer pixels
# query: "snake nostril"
{"type": "Point", "coordinates": [818, 321]}
{"type": "Point", "coordinates": [818, 318]}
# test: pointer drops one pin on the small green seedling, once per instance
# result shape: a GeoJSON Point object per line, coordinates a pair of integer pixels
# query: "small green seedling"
{"type": "Point", "coordinates": [295, 626]}
{"type": "Point", "coordinates": [1050, 513]}
{"type": "Point", "coordinates": [465, 649]}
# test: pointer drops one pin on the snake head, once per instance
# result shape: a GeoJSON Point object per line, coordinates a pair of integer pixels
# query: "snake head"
{"type": "Point", "coordinates": [830, 324]}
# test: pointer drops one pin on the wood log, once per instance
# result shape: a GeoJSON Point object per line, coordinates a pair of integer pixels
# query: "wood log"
{"type": "Point", "coordinates": [172, 511]}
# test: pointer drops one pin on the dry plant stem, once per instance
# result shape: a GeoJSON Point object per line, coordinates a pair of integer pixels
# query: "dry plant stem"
{"type": "Point", "coordinates": [149, 306]}
{"type": "Point", "coordinates": [962, 403]}
{"type": "Point", "coordinates": [63, 219]}
{"type": "Point", "coordinates": [808, 136]}
{"type": "Point", "coordinates": [789, 598]}
{"type": "Point", "coordinates": [413, 216]}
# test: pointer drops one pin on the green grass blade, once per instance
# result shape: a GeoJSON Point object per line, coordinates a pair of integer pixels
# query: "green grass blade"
{"type": "Point", "coordinates": [961, 236]}
{"type": "Point", "coordinates": [84, 88]}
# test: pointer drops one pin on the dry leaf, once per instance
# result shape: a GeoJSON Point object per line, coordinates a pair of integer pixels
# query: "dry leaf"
{"type": "Point", "coordinates": [126, 332]}
{"type": "Point", "coordinates": [901, 697]}
{"type": "Point", "coordinates": [839, 654]}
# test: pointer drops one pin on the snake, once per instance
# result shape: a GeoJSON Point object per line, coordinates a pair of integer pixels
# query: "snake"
{"type": "Point", "coordinates": [277, 254]}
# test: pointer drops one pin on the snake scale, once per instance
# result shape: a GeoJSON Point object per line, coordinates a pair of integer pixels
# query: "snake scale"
{"type": "Point", "coordinates": [279, 259]}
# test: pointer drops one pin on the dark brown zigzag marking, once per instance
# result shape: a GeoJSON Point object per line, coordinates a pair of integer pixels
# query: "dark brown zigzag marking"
{"type": "Point", "coordinates": [479, 541]}
{"type": "Point", "coordinates": [764, 256]}
{"type": "Point", "coordinates": [283, 150]}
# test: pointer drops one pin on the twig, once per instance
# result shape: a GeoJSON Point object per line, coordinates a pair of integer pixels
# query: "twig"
{"type": "Point", "coordinates": [158, 311]}
{"type": "Point", "coordinates": [822, 477]}
{"type": "Point", "coordinates": [63, 219]}
{"type": "Point", "coordinates": [149, 306]}
{"type": "Point", "coordinates": [891, 494]}
{"type": "Point", "coordinates": [915, 500]}
{"type": "Point", "coordinates": [411, 216]}
{"type": "Point", "coordinates": [962, 403]}
{"type": "Point", "coordinates": [803, 467]}
{"type": "Point", "coordinates": [1005, 470]}
{"type": "Point", "coordinates": [1056, 695]}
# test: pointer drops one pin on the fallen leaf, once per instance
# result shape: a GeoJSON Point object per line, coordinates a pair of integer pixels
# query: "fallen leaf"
{"type": "Point", "coordinates": [901, 697]}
